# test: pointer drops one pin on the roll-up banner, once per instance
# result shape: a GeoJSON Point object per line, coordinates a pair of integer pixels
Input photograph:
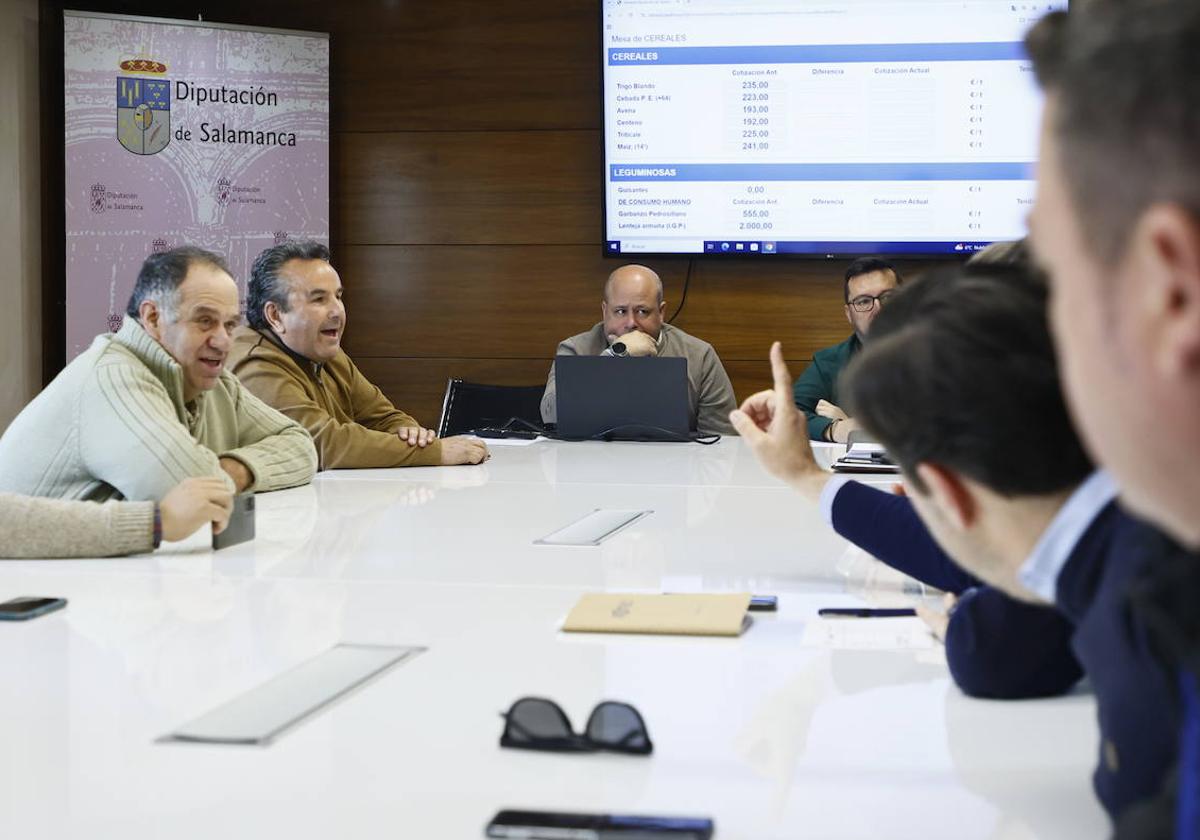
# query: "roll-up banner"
{"type": "Point", "coordinates": [181, 133]}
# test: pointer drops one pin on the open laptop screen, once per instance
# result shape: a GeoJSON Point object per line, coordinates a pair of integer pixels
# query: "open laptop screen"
{"type": "Point", "coordinates": [615, 398]}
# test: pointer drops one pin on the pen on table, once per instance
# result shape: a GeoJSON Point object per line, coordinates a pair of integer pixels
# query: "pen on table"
{"type": "Point", "coordinates": [865, 612]}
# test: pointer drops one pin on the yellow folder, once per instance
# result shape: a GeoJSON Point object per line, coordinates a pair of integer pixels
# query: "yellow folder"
{"type": "Point", "coordinates": [686, 615]}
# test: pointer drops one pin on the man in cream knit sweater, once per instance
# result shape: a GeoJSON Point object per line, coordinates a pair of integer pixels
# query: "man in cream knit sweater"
{"type": "Point", "coordinates": [144, 409]}
{"type": "Point", "coordinates": [36, 527]}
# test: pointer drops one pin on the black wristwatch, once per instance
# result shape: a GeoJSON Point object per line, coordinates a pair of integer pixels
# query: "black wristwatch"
{"type": "Point", "coordinates": [619, 349]}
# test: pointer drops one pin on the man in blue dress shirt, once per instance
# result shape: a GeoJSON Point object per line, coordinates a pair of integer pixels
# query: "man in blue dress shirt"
{"type": "Point", "coordinates": [1020, 513]}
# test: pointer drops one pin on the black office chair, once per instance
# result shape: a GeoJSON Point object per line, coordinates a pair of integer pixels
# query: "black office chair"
{"type": "Point", "coordinates": [470, 405]}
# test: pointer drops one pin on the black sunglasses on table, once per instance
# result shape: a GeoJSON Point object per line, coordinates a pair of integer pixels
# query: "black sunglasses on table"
{"type": "Point", "coordinates": [535, 723]}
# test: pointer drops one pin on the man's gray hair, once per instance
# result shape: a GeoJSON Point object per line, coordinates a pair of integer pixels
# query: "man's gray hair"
{"type": "Point", "coordinates": [162, 274]}
{"type": "Point", "coordinates": [266, 286]}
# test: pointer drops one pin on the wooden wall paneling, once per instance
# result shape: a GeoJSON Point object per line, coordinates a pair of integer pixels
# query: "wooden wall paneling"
{"type": "Point", "coordinates": [499, 187]}
{"type": "Point", "coordinates": [510, 301]}
{"type": "Point", "coordinates": [497, 301]}
{"type": "Point", "coordinates": [458, 309]}
{"type": "Point", "coordinates": [749, 377]}
{"type": "Point", "coordinates": [741, 306]}
{"type": "Point", "coordinates": [469, 65]}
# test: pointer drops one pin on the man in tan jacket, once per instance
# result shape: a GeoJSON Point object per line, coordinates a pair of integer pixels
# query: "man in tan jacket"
{"type": "Point", "coordinates": [290, 356]}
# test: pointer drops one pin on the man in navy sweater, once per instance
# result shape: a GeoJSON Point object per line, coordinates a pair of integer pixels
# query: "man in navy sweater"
{"type": "Point", "coordinates": [1117, 224]}
{"type": "Point", "coordinates": [936, 387]}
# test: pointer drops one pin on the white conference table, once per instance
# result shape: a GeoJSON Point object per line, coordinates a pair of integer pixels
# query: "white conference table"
{"type": "Point", "coordinates": [792, 730]}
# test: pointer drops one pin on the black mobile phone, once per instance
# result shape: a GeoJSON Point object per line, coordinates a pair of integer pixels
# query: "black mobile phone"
{"type": "Point", "coordinates": [763, 603]}
{"type": "Point", "coordinates": [866, 612]}
{"type": "Point", "coordinates": [22, 609]}
{"type": "Point", "coordinates": [844, 465]}
{"type": "Point", "coordinates": [493, 432]}
{"type": "Point", "coordinates": [549, 825]}
{"type": "Point", "coordinates": [241, 523]}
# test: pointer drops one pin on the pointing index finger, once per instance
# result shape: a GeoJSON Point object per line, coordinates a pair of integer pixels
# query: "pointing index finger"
{"type": "Point", "coordinates": [783, 377]}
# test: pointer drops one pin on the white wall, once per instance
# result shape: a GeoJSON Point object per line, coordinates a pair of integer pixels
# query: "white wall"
{"type": "Point", "coordinates": [20, 209]}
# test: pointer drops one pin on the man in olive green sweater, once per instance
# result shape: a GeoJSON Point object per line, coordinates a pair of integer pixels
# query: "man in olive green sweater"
{"type": "Point", "coordinates": [142, 410]}
{"type": "Point", "coordinates": [290, 355]}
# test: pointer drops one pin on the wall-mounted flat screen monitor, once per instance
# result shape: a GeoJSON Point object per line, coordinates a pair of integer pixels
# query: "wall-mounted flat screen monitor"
{"type": "Point", "coordinates": [774, 128]}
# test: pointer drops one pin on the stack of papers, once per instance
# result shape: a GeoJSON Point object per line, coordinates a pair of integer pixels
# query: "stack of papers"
{"type": "Point", "coordinates": [868, 634]}
{"type": "Point", "coordinates": [865, 458]}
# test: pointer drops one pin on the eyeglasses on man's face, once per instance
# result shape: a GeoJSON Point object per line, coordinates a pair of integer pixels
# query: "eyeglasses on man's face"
{"type": "Point", "coordinates": [865, 303]}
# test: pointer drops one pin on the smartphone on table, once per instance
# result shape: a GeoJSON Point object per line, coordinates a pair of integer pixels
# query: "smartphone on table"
{"type": "Point", "coordinates": [241, 523]}
{"type": "Point", "coordinates": [551, 825]}
{"type": "Point", "coordinates": [27, 607]}
{"type": "Point", "coordinates": [763, 603]}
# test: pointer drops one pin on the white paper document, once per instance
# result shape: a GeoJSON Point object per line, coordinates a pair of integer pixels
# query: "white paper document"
{"type": "Point", "coordinates": [867, 634]}
{"type": "Point", "coordinates": [511, 441]}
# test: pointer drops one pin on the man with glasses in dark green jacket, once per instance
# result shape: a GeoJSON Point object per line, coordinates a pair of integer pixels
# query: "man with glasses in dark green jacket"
{"type": "Point", "coordinates": [868, 283]}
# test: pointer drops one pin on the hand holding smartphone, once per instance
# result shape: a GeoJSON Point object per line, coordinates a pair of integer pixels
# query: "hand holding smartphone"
{"type": "Point", "coordinates": [241, 523]}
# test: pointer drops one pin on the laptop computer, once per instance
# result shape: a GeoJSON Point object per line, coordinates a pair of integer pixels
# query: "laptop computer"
{"type": "Point", "coordinates": [605, 398]}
